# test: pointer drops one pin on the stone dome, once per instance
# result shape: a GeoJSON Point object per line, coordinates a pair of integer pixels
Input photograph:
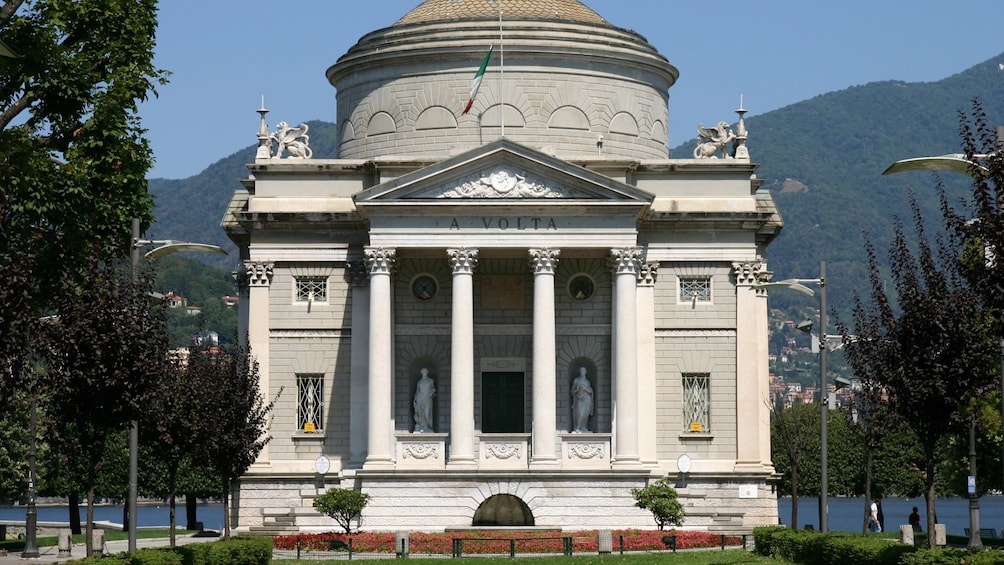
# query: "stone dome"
{"type": "Point", "coordinates": [561, 79]}
{"type": "Point", "coordinates": [445, 10]}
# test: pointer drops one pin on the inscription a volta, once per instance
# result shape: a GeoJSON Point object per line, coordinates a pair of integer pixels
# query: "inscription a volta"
{"type": "Point", "coordinates": [503, 223]}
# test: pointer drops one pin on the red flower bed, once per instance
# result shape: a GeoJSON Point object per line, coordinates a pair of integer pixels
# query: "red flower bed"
{"type": "Point", "coordinates": [441, 543]}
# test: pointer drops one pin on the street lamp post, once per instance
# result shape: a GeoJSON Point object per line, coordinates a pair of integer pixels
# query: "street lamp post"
{"type": "Point", "coordinates": [31, 516]}
{"type": "Point", "coordinates": [799, 284]}
{"type": "Point", "coordinates": [161, 248]}
{"type": "Point", "coordinates": [971, 167]}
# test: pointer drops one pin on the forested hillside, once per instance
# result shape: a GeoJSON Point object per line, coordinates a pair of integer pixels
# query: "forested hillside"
{"type": "Point", "coordinates": [821, 158]}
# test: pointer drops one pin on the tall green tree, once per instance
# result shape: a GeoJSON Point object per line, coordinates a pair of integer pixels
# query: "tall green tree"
{"type": "Point", "coordinates": [239, 416]}
{"type": "Point", "coordinates": [74, 159]}
{"type": "Point", "coordinates": [795, 439]}
{"type": "Point", "coordinates": [928, 345]}
{"type": "Point", "coordinates": [110, 348]}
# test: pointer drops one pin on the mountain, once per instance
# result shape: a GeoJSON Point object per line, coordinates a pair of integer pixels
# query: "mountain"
{"type": "Point", "coordinates": [821, 158]}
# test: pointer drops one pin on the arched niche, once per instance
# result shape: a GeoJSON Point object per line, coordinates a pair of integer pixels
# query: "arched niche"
{"type": "Point", "coordinates": [513, 117]}
{"type": "Point", "coordinates": [624, 123]}
{"type": "Point", "coordinates": [435, 117]}
{"type": "Point", "coordinates": [568, 117]}
{"type": "Point", "coordinates": [348, 132]}
{"type": "Point", "coordinates": [659, 132]}
{"type": "Point", "coordinates": [381, 123]}
{"type": "Point", "coordinates": [503, 510]}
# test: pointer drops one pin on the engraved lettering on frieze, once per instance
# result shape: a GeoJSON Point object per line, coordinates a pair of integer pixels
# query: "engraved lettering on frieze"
{"type": "Point", "coordinates": [585, 451]}
{"type": "Point", "coordinates": [503, 451]}
{"type": "Point", "coordinates": [501, 182]}
{"type": "Point", "coordinates": [421, 451]}
{"type": "Point", "coordinates": [503, 223]}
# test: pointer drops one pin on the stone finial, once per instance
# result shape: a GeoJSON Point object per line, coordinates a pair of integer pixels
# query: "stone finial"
{"type": "Point", "coordinates": [739, 150]}
{"type": "Point", "coordinates": [264, 138]}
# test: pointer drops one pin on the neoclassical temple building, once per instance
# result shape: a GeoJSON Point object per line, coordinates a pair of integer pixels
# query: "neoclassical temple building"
{"type": "Point", "coordinates": [512, 316]}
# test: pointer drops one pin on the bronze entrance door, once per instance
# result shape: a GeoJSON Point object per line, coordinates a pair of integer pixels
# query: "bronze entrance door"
{"type": "Point", "coordinates": [502, 403]}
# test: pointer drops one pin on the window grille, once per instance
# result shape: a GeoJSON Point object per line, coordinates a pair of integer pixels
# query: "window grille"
{"type": "Point", "coordinates": [311, 289]}
{"type": "Point", "coordinates": [310, 403]}
{"type": "Point", "coordinates": [696, 402]}
{"type": "Point", "coordinates": [695, 289]}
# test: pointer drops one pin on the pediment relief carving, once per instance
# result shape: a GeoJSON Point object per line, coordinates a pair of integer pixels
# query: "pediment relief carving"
{"type": "Point", "coordinates": [503, 182]}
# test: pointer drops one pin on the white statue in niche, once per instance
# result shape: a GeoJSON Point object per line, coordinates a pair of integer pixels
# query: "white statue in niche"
{"type": "Point", "coordinates": [425, 392]}
{"type": "Point", "coordinates": [582, 402]}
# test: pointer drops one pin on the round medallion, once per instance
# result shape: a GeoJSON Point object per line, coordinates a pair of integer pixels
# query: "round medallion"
{"type": "Point", "coordinates": [581, 287]}
{"type": "Point", "coordinates": [322, 464]}
{"type": "Point", "coordinates": [503, 180]}
{"type": "Point", "coordinates": [424, 287]}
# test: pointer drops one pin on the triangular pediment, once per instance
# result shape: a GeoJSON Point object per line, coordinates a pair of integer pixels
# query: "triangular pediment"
{"type": "Point", "coordinates": [502, 171]}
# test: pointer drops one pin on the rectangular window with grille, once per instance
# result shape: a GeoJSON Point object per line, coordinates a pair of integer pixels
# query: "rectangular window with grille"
{"type": "Point", "coordinates": [696, 402]}
{"type": "Point", "coordinates": [695, 289]}
{"type": "Point", "coordinates": [309, 402]}
{"type": "Point", "coordinates": [311, 289]}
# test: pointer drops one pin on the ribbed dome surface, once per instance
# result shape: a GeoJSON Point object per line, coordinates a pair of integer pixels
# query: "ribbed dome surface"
{"type": "Point", "coordinates": [448, 10]}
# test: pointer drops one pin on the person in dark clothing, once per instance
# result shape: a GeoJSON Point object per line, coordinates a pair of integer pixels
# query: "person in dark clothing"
{"type": "Point", "coordinates": [915, 520]}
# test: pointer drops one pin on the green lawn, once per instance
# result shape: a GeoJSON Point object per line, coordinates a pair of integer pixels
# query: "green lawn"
{"type": "Point", "coordinates": [715, 557]}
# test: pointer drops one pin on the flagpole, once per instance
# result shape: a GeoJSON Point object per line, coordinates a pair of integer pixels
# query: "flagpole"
{"type": "Point", "coordinates": [501, 75]}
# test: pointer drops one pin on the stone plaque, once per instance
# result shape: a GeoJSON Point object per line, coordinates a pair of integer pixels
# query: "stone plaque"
{"type": "Point", "coordinates": [502, 292]}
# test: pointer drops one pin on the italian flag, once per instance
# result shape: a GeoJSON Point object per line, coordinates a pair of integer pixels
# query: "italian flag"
{"type": "Point", "coordinates": [476, 83]}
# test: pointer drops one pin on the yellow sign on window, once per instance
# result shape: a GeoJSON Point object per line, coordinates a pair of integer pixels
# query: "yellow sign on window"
{"type": "Point", "coordinates": [696, 427]}
{"type": "Point", "coordinates": [309, 427]}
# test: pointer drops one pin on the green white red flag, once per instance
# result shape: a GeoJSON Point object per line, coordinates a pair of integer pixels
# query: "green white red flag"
{"type": "Point", "coordinates": [476, 83]}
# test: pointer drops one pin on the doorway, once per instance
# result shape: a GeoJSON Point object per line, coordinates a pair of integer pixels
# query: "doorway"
{"type": "Point", "coordinates": [502, 402]}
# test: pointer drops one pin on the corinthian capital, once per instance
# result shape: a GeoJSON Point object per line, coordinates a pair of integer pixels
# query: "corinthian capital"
{"type": "Point", "coordinates": [544, 260]}
{"type": "Point", "coordinates": [626, 260]}
{"type": "Point", "coordinates": [258, 274]}
{"type": "Point", "coordinates": [751, 273]}
{"type": "Point", "coordinates": [380, 261]}
{"type": "Point", "coordinates": [463, 260]}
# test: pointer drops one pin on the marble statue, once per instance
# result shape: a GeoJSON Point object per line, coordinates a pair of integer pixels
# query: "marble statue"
{"type": "Point", "coordinates": [712, 140]}
{"type": "Point", "coordinates": [293, 140]}
{"type": "Point", "coordinates": [582, 402]}
{"type": "Point", "coordinates": [425, 391]}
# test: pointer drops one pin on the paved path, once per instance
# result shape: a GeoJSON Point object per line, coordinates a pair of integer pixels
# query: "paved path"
{"type": "Point", "coordinates": [50, 554]}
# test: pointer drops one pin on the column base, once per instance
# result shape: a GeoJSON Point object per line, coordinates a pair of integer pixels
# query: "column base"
{"type": "Point", "coordinates": [378, 463]}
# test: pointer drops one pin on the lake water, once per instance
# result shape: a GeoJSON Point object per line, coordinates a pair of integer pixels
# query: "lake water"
{"type": "Point", "coordinates": [149, 515]}
{"type": "Point", "coordinates": [845, 514]}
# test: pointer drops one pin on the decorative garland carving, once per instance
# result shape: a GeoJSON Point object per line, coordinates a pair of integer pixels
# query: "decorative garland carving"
{"type": "Point", "coordinates": [420, 451]}
{"type": "Point", "coordinates": [503, 451]}
{"type": "Point", "coordinates": [585, 451]}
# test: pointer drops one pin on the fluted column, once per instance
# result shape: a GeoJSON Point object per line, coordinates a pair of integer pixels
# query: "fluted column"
{"type": "Point", "coordinates": [647, 275]}
{"type": "Point", "coordinates": [463, 261]}
{"type": "Point", "coordinates": [544, 262]}
{"type": "Point", "coordinates": [752, 383]}
{"type": "Point", "coordinates": [357, 275]}
{"type": "Point", "coordinates": [380, 263]}
{"type": "Point", "coordinates": [258, 276]}
{"type": "Point", "coordinates": [625, 352]}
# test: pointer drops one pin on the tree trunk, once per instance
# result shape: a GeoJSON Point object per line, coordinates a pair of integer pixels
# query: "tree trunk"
{"type": "Point", "coordinates": [173, 534]}
{"type": "Point", "coordinates": [74, 500]}
{"type": "Point", "coordinates": [191, 511]}
{"type": "Point", "coordinates": [868, 489]}
{"type": "Point", "coordinates": [929, 497]}
{"type": "Point", "coordinates": [226, 508]}
{"type": "Point", "coordinates": [794, 495]}
{"type": "Point", "coordinates": [90, 522]}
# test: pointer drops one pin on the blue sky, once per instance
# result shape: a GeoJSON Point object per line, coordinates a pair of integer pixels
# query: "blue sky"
{"type": "Point", "coordinates": [224, 54]}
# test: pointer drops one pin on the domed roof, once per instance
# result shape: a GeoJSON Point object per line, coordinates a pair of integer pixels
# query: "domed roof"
{"type": "Point", "coordinates": [448, 10]}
